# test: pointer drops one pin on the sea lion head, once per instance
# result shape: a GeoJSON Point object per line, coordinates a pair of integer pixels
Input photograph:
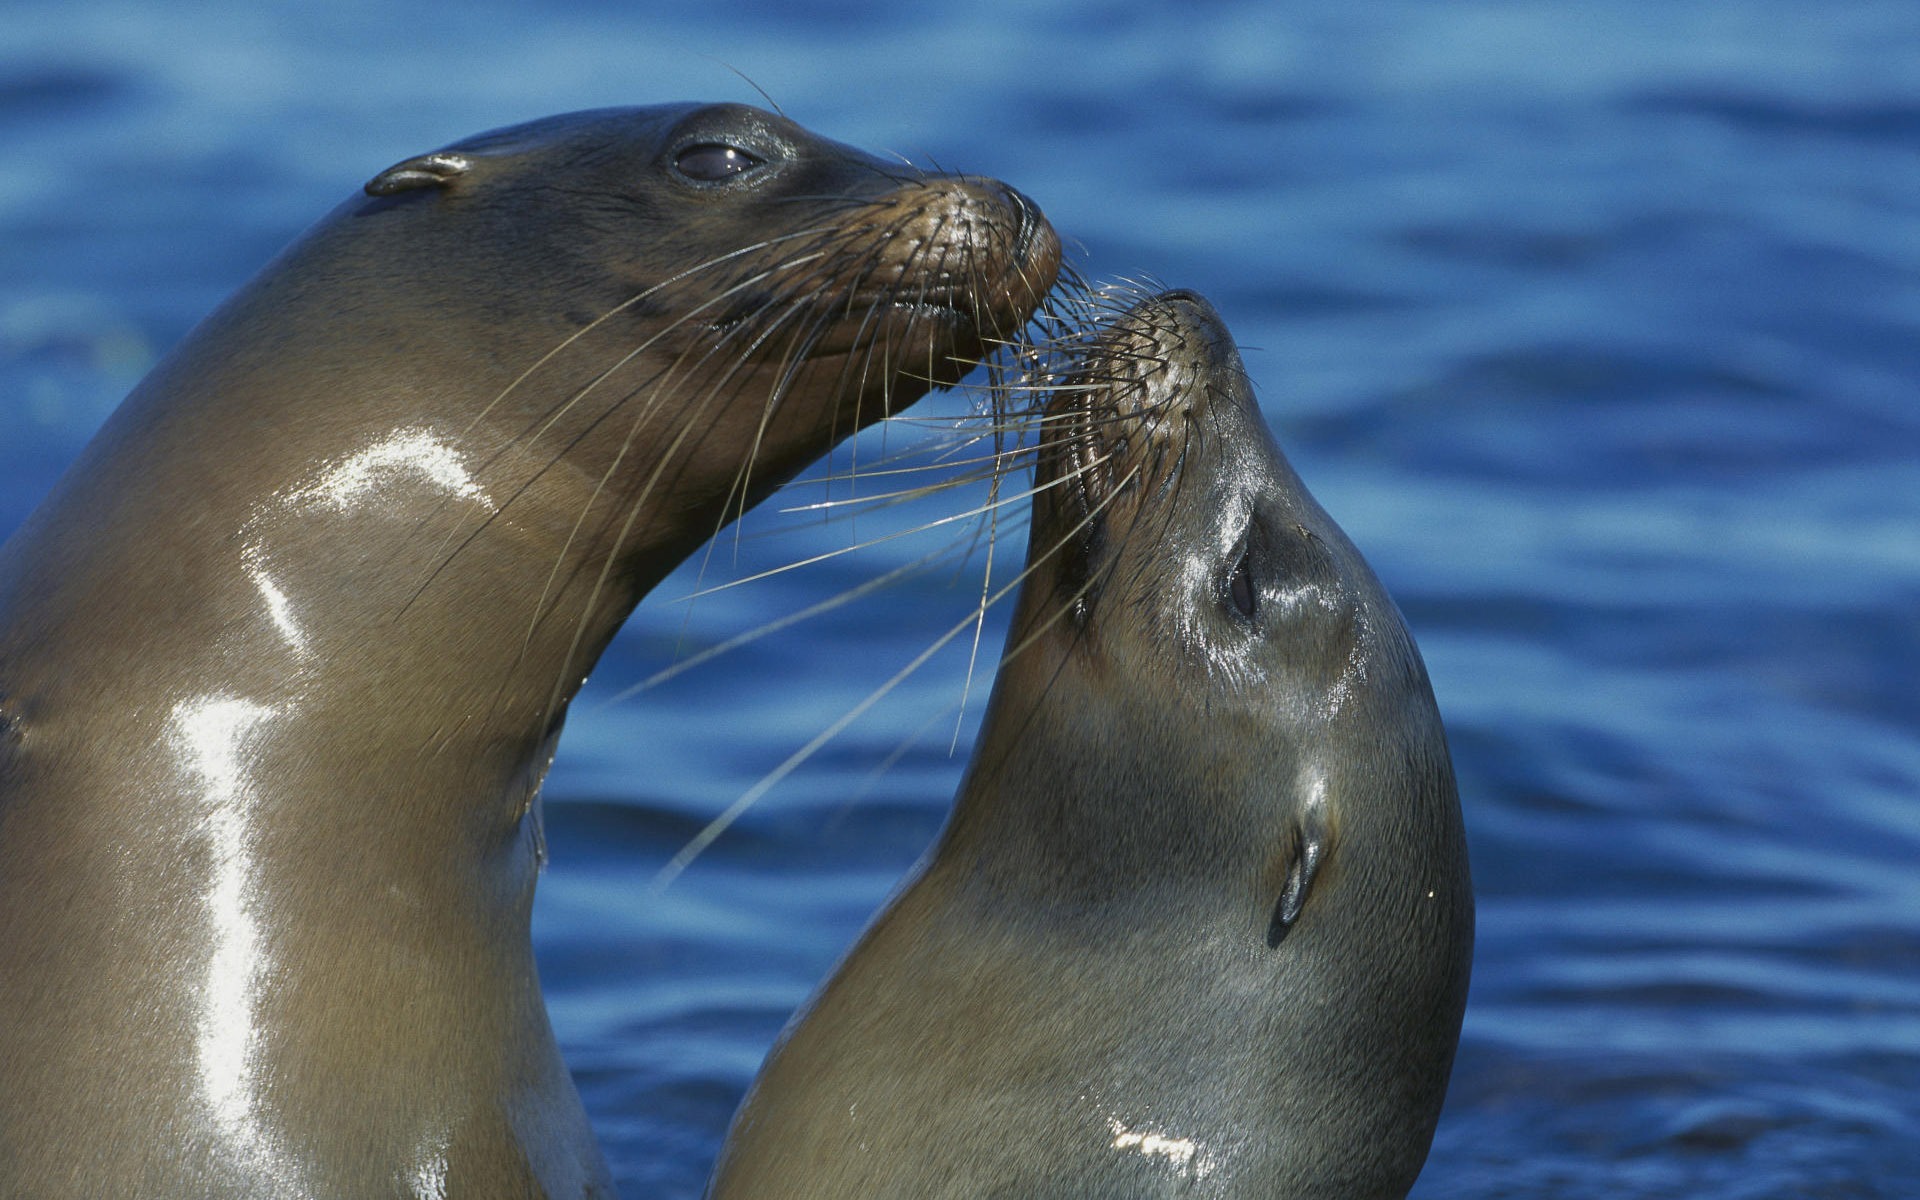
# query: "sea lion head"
{"type": "Point", "coordinates": [706, 277]}
{"type": "Point", "coordinates": [541, 365]}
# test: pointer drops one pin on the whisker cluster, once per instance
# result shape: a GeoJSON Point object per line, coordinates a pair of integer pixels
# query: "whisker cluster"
{"type": "Point", "coordinates": [1082, 363]}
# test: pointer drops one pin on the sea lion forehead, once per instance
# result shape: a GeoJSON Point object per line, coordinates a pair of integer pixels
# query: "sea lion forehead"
{"type": "Point", "coordinates": [592, 126]}
{"type": "Point", "coordinates": [635, 135]}
{"type": "Point", "coordinates": [704, 155]}
{"type": "Point", "coordinates": [548, 143]}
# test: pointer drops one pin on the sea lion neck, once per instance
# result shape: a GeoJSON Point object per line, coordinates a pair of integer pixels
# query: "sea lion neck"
{"type": "Point", "coordinates": [1049, 777]}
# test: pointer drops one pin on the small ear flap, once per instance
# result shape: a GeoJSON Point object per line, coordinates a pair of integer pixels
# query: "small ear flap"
{"type": "Point", "coordinates": [1309, 850]}
{"type": "Point", "coordinates": [425, 171]}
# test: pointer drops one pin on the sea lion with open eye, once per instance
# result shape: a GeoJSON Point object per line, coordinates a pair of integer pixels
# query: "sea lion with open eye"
{"type": "Point", "coordinates": [1200, 923]}
{"type": "Point", "coordinates": [283, 656]}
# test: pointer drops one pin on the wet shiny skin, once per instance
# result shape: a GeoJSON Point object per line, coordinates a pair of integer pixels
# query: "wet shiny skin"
{"type": "Point", "coordinates": [217, 743]}
{"type": "Point", "coordinates": [1084, 988]}
{"type": "Point", "coordinates": [1594, 325]}
{"type": "Point", "coordinates": [284, 656]}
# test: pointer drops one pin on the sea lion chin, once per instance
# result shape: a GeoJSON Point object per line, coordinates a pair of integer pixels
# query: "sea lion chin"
{"type": "Point", "coordinates": [1200, 922]}
{"type": "Point", "coordinates": [284, 654]}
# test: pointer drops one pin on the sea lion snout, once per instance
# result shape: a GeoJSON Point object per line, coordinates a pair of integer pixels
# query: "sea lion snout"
{"type": "Point", "coordinates": [962, 243]}
{"type": "Point", "coordinates": [1120, 429]}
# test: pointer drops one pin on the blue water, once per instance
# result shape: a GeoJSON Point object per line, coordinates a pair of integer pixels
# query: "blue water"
{"type": "Point", "coordinates": [1597, 326]}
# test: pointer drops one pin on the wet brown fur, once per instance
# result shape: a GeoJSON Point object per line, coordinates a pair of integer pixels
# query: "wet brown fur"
{"type": "Point", "coordinates": [459, 429]}
{"type": "Point", "coordinates": [1200, 923]}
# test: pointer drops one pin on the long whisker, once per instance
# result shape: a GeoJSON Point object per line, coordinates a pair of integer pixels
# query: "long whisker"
{"type": "Point", "coordinates": [733, 812]}
{"type": "Point", "coordinates": [526, 438]}
{"type": "Point", "coordinates": [827, 555]}
{"type": "Point", "coordinates": [876, 584]}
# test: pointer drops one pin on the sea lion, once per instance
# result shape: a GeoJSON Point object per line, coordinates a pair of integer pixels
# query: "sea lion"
{"type": "Point", "coordinates": [284, 655]}
{"type": "Point", "coordinates": [1200, 922]}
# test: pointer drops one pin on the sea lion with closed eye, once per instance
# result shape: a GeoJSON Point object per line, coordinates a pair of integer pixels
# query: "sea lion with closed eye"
{"type": "Point", "coordinates": [284, 655]}
{"type": "Point", "coordinates": [1200, 922]}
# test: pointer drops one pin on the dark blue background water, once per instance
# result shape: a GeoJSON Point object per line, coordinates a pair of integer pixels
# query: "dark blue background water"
{"type": "Point", "coordinates": [1596, 325]}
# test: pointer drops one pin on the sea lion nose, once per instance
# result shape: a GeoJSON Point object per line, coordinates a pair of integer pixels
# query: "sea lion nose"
{"type": "Point", "coordinates": [1030, 220]}
{"type": "Point", "coordinates": [1034, 242]}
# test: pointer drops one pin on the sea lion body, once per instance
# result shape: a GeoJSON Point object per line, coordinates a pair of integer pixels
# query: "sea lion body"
{"type": "Point", "coordinates": [1200, 922]}
{"type": "Point", "coordinates": [284, 655]}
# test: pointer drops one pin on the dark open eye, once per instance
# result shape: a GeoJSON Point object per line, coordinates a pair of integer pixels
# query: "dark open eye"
{"type": "Point", "coordinates": [1241, 589]}
{"type": "Point", "coordinates": [711, 162]}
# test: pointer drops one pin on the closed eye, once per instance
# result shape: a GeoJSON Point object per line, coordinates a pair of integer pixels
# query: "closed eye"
{"type": "Point", "coordinates": [711, 162]}
{"type": "Point", "coordinates": [1246, 600]}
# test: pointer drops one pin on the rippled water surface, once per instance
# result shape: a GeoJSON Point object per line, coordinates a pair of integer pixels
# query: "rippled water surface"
{"type": "Point", "coordinates": [1596, 326]}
